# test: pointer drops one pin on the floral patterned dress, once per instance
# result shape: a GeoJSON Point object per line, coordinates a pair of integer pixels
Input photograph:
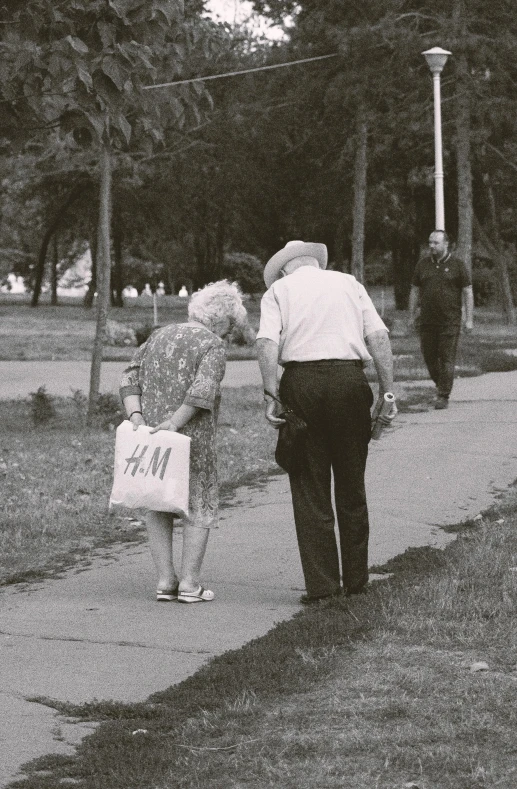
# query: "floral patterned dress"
{"type": "Point", "coordinates": [182, 364]}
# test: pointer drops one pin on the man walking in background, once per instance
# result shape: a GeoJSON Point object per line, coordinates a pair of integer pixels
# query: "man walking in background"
{"type": "Point", "coordinates": [440, 283]}
{"type": "Point", "coordinates": [321, 326]}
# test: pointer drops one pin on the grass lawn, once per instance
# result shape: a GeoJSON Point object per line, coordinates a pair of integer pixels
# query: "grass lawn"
{"type": "Point", "coordinates": [412, 685]}
{"type": "Point", "coordinates": [57, 479]}
{"type": "Point", "coordinates": [379, 691]}
{"type": "Point", "coordinates": [66, 333]}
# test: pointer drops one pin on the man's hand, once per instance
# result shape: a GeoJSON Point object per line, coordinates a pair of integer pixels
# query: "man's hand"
{"type": "Point", "coordinates": [137, 420]}
{"type": "Point", "coordinates": [167, 425]}
{"type": "Point", "coordinates": [385, 419]}
{"type": "Point", "coordinates": [272, 418]}
{"type": "Point", "coordinates": [468, 327]}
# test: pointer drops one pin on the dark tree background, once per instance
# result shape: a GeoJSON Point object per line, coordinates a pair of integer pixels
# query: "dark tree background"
{"type": "Point", "coordinates": [339, 151]}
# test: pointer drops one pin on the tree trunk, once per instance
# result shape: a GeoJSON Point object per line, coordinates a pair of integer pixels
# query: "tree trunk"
{"type": "Point", "coordinates": [220, 239]}
{"type": "Point", "coordinates": [202, 260]}
{"type": "Point", "coordinates": [117, 284]}
{"type": "Point", "coordinates": [339, 246]}
{"type": "Point", "coordinates": [72, 196]}
{"type": "Point", "coordinates": [360, 172]}
{"type": "Point", "coordinates": [170, 283]}
{"type": "Point", "coordinates": [92, 285]}
{"type": "Point", "coordinates": [103, 277]}
{"type": "Point", "coordinates": [502, 264]}
{"type": "Point", "coordinates": [404, 258]}
{"type": "Point", "coordinates": [53, 277]}
{"type": "Point", "coordinates": [495, 249]}
{"type": "Point", "coordinates": [463, 162]}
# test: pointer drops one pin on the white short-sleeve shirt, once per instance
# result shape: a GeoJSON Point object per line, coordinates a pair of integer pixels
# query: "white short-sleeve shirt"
{"type": "Point", "coordinates": [314, 314]}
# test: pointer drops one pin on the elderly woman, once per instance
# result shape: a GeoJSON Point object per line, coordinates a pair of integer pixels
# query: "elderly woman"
{"type": "Point", "coordinates": [173, 383]}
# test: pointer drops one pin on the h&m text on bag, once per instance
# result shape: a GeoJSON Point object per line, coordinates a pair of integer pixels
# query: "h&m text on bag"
{"type": "Point", "coordinates": [137, 462]}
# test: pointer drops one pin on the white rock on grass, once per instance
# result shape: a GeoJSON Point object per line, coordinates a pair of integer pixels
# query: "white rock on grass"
{"type": "Point", "coordinates": [479, 665]}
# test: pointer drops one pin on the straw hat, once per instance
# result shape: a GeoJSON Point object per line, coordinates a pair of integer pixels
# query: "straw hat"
{"type": "Point", "coordinates": [293, 249]}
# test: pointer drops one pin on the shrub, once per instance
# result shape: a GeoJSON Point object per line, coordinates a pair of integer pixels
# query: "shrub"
{"type": "Point", "coordinates": [108, 410]}
{"type": "Point", "coordinates": [498, 362]}
{"type": "Point", "coordinates": [42, 407]}
{"type": "Point", "coordinates": [243, 336]}
{"type": "Point", "coordinates": [144, 332]}
{"type": "Point", "coordinates": [80, 402]}
{"type": "Point", "coordinates": [378, 269]}
{"type": "Point", "coordinates": [246, 269]}
{"type": "Point", "coordinates": [484, 285]}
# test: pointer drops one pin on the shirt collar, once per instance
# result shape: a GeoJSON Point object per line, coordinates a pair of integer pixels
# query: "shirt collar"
{"type": "Point", "coordinates": [442, 260]}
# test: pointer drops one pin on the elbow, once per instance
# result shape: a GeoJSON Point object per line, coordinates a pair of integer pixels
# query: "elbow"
{"type": "Point", "coordinates": [377, 337]}
{"type": "Point", "coordinates": [264, 344]}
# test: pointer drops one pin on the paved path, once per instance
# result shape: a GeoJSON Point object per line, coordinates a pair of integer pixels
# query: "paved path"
{"type": "Point", "coordinates": [18, 379]}
{"type": "Point", "coordinates": [99, 634]}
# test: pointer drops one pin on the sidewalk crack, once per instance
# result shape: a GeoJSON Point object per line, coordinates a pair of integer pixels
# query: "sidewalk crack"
{"type": "Point", "coordinates": [136, 644]}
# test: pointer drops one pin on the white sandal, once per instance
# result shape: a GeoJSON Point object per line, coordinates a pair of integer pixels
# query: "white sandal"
{"type": "Point", "coordinates": [198, 596]}
{"type": "Point", "coordinates": [167, 595]}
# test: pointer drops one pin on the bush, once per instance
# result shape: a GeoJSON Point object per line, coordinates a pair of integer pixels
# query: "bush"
{"type": "Point", "coordinates": [108, 411]}
{"type": "Point", "coordinates": [484, 285]}
{"type": "Point", "coordinates": [42, 407]}
{"type": "Point", "coordinates": [246, 269]}
{"type": "Point", "coordinates": [119, 334]}
{"type": "Point", "coordinates": [498, 362]}
{"type": "Point", "coordinates": [144, 332]}
{"type": "Point", "coordinates": [378, 269]}
{"type": "Point", "coordinates": [243, 336]}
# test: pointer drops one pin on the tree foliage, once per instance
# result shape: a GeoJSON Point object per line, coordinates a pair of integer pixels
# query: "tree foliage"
{"type": "Point", "coordinates": [83, 65]}
{"type": "Point", "coordinates": [383, 75]}
{"type": "Point", "coordinates": [272, 156]}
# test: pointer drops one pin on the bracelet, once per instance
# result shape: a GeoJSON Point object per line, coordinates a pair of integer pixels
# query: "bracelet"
{"type": "Point", "coordinates": [134, 412]}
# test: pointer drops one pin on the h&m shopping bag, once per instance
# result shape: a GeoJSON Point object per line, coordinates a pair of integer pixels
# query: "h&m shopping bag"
{"type": "Point", "coordinates": [151, 471]}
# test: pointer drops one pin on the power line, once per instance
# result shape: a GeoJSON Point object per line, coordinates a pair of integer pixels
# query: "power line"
{"type": "Point", "coordinates": [236, 73]}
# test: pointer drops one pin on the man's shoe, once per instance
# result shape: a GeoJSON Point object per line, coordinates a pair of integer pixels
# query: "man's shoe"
{"type": "Point", "coordinates": [441, 403]}
{"type": "Point", "coordinates": [307, 599]}
{"type": "Point", "coordinates": [362, 589]}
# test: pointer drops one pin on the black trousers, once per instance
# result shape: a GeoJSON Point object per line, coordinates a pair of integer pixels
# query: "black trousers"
{"type": "Point", "coordinates": [334, 398]}
{"type": "Point", "coordinates": [439, 345]}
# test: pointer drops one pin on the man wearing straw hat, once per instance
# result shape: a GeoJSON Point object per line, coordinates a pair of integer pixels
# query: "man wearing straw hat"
{"type": "Point", "coordinates": [321, 327]}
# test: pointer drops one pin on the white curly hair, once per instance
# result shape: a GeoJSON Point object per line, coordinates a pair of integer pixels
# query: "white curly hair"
{"type": "Point", "coordinates": [215, 301]}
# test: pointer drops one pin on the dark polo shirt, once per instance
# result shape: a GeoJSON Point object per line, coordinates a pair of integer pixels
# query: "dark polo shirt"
{"type": "Point", "coordinates": [440, 286]}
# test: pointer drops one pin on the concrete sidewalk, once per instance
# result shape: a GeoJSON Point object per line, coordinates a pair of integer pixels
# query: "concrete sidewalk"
{"type": "Point", "coordinates": [98, 633]}
{"type": "Point", "coordinates": [18, 379]}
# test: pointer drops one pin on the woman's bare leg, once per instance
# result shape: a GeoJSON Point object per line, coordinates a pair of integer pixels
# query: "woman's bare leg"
{"type": "Point", "coordinates": [159, 528]}
{"type": "Point", "coordinates": [194, 546]}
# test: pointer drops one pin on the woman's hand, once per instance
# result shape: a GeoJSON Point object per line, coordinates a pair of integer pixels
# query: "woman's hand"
{"type": "Point", "coordinates": [137, 420]}
{"type": "Point", "coordinates": [167, 425]}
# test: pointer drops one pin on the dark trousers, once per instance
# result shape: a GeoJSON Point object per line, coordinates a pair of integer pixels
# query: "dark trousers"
{"type": "Point", "coordinates": [439, 345]}
{"type": "Point", "coordinates": [335, 399]}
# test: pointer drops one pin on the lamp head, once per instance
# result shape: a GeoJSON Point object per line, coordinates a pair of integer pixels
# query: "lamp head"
{"type": "Point", "coordinates": [436, 59]}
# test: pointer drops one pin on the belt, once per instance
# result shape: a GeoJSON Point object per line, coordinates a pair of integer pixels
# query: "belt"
{"type": "Point", "coordinates": [324, 363]}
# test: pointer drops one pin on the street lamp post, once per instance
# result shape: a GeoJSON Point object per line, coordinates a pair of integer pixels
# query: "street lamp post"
{"type": "Point", "coordinates": [436, 60]}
